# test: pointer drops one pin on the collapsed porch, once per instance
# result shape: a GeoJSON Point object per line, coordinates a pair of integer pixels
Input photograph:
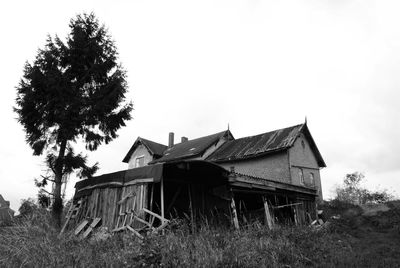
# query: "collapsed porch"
{"type": "Point", "coordinates": [196, 190]}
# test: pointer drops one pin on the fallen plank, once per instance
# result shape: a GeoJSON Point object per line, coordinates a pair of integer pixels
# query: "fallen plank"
{"type": "Point", "coordinates": [134, 232]}
{"type": "Point", "coordinates": [81, 226]}
{"type": "Point", "coordinates": [155, 215]}
{"type": "Point", "coordinates": [119, 229]}
{"type": "Point", "coordinates": [69, 216]}
{"type": "Point", "coordinates": [268, 217]}
{"type": "Point", "coordinates": [142, 221]}
{"type": "Point", "coordinates": [91, 227]}
{"type": "Point", "coordinates": [159, 228]}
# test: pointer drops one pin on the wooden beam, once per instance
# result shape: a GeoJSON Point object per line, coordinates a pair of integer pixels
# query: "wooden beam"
{"type": "Point", "coordinates": [91, 227]}
{"type": "Point", "coordinates": [69, 214]}
{"type": "Point", "coordinates": [133, 182]}
{"type": "Point", "coordinates": [162, 200]}
{"type": "Point", "coordinates": [134, 232]}
{"type": "Point", "coordinates": [81, 226]}
{"type": "Point", "coordinates": [287, 205]}
{"type": "Point", "coordinates": [151, 196]}
{"type": "Point", "coordinates": [191, 209]}
{"type": "Point", "coordinates": [268, 218]}
{"type": "Point", "coordinates": [296, 220]}
{"type": "Point", "coordinates": [155, 215]}
{"type": "Point", "coordinates": [161, 227]}
{"type": "Point", "coordinates": [234, 214]}
{"type": "Point", "coordinates": [119, 229]}
{"type": "Point", "coordinates": [142, 221]}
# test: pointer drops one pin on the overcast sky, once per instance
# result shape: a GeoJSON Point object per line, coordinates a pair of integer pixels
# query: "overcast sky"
{"type": "Point", "coordinates": [195, 66]}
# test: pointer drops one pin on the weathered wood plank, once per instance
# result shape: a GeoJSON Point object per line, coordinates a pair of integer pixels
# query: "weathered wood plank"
{"type": "Point", "coordinates": [81, 227]}
{"type": "Point", "coordinates": [155, 215]}
{"type": "Point", "coordinates": [94, 223]}
{"type": "Point", "coordinates": [162, 201]}
{"type": "Point", "coordinates": [234, 214]}
{"type": "Point", "coordinates": [134, 232]}
{"type": "Point", "coordinates": [268, 218]}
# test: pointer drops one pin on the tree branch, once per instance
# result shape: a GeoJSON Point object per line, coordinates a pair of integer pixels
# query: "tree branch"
{"type": "Point", "coordinates": [47, 178]}
{"type": "Point", "coordinates": [47, 192]}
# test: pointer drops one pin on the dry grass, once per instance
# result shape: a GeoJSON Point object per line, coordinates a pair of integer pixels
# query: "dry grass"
{"type": "Point", "coordinates": [33, 242]}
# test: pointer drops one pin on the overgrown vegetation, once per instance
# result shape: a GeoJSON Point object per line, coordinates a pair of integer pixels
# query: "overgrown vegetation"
{"type": "Point", "coordinates": [352, 191]}
{"type": "Point", "coordinates": [350, 239]}
{"type": "Point", "coordinates": [33, 241]}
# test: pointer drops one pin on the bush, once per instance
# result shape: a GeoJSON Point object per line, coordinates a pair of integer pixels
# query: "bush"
{"type": "Point", "coordinates": [352, 192]}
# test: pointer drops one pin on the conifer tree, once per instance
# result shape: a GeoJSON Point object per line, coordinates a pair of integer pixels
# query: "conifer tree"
{"type": "Point", "coordinates": [73, 91]}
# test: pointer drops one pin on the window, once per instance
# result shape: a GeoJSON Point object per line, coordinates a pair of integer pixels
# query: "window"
{"type": "Point", "coordinates": [301, 176]}
{"type": "Point", "coordinates": [139, 162]}
{"type": "Point", "coordinates": [312, 181]}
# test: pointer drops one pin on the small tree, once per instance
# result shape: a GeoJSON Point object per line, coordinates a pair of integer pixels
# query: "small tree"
{"type": "Point", "coordinates": [28, 206]}
{"type": "Point", "coordinates": [353, 192]}
{"type": "Point", "coordinates": [73, 90]}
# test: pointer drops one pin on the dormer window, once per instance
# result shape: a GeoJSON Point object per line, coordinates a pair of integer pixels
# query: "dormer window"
{"type": "Point", "coordinates": [139, 161]}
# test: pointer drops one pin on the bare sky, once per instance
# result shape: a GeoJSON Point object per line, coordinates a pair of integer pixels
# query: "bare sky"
{"type": "Point", "coordinates": [195, 66]}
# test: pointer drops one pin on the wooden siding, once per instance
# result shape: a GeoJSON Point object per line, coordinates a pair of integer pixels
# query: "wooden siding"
{"type": "Point", "coordinates": [103, 203]}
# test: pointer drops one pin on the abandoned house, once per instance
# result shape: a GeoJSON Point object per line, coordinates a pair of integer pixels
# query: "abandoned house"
{"type": "Point", "coordinates": [6, 213]}
{"type": "Point", "coordinates": [272, 177]}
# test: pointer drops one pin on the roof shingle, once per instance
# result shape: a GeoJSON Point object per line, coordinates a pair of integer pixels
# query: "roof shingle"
{"type": "Point", "coordinates": [262, 144]}
{"type": "Point", "coordinates": [155, 148]}
{"type": "Point", "coordinates": [191, 148]}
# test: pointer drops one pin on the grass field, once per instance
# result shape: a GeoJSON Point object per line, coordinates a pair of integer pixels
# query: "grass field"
{"type": "Point", "coordinates": [353, 240]}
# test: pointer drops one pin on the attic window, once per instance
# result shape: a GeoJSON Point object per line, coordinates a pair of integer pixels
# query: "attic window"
{"type": "Point", "coordinates": [139, 161]}
{"type": "Point", "coordinates": [192, 149]}
{"type": "Point", "coordinates": [303, 144]}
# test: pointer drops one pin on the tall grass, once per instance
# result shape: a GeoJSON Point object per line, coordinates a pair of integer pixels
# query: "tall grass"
{"type": "Point", "coordinates": [34, 242]}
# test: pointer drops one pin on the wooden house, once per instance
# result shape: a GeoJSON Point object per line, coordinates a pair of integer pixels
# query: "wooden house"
{"type": "Point", "coordinates": [271, 177]}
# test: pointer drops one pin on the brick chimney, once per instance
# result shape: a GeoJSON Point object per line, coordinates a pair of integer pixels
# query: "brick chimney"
{"type": "Point", "coordinates": [184, 139]}
{"type": "Point", "coordinates": [171, 139]}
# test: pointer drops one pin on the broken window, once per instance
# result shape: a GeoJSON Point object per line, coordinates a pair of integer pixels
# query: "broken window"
{"type": "Point", "coordinates": [139, 162]}
{"type": "Point", "coordinates": [312, 178]}
{"type": "Point", "coordinates": [301, 176]}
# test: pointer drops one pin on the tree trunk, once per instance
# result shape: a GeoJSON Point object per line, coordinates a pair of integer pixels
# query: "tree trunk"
{"type": "Point", "coordinates": [58, 205]}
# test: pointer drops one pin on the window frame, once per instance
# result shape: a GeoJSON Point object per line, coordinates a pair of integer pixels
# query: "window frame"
{"type": "Point", "coordinates": [312, 178]}
{"type": "Point", "coordinates": [137, 161]}
{"type": "Point", "coordinates": [301, 176]}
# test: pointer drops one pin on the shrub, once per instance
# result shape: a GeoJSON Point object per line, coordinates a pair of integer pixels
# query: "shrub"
{"type": "Point", "coordinates": [352, 192]}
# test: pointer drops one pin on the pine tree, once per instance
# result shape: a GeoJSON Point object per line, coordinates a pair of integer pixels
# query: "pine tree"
{"type": "Point", "coordinates": [74, 90]}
